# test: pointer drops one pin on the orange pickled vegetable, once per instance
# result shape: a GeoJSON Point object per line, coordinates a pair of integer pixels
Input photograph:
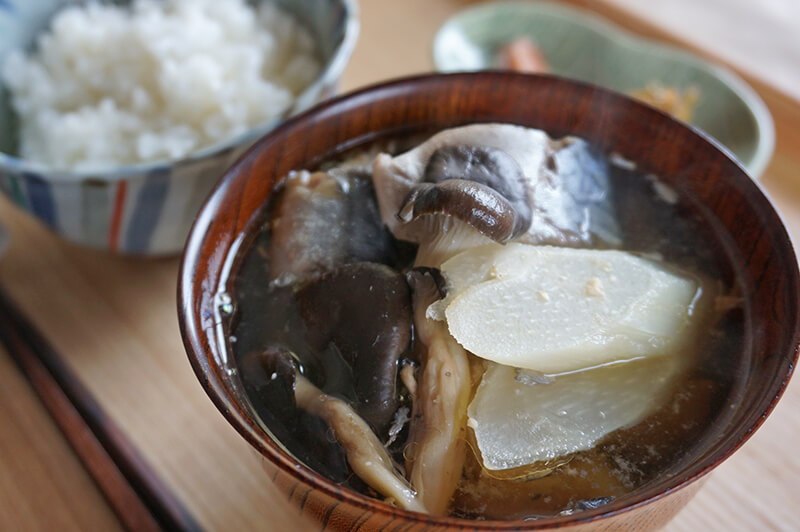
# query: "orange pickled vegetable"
{"type": "Point", "coordinates": [522, 55]}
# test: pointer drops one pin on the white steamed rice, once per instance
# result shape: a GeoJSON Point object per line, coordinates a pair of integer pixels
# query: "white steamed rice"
{"type": "Point", "coordinates": [158, 80]}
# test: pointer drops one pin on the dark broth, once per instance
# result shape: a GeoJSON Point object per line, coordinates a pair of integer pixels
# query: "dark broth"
{"type": "Point", "coordinates": [626, 461]}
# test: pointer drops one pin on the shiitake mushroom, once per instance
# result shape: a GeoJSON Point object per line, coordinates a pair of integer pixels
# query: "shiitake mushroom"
{"type": "Point", "coordinates": [363, 311]}
{"type": "Point", "coordinates": [482, 186]}
{"type": "Point", "coordinates": [321, 220]}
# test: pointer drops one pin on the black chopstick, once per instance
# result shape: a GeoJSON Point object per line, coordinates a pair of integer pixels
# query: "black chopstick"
{"type": "Point", "coordinates": [138, 497]}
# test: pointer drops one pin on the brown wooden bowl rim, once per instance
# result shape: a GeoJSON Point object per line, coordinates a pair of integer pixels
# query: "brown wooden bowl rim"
{"type": "Point", "coordinates": [199, 350]}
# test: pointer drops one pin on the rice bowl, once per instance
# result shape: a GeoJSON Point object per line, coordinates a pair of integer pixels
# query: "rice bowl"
{"type": "Point", "coordinates": [111, 85]}
{"type": "Point", "coordinates": [147, 208]}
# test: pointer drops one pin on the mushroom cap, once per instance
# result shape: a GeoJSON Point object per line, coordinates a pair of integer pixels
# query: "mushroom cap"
{"type": "Point", "coordinates": [323, 219]}
{"type": "Point", "coordinates": [395, 177]}
{"type": "Point", "coordinates": [489, 166]}
{"type": "Point", "coordinates": [364, 311]}
{"type": "Point", "coordinates": [479, 185]}
{"type": "Point", "coordinates": [477, 205]}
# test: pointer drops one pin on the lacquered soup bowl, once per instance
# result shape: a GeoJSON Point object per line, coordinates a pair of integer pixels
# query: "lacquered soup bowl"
{"type": "Point", "coordinates": [750, 236]}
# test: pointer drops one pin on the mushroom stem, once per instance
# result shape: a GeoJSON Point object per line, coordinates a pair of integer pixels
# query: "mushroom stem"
{"type": "Point", "coordinates": [448, 236]}
{"type": "Point", "coordinates": [365, 453]}
{"type": "Point", "coordinates": [409, 381]}
{"type": "Point", "coordinates": [436, 449]}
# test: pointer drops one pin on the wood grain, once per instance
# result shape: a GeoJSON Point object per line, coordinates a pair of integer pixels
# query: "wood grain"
{"type": "Point", "coordinates": [133, 490]}
{"type": "Point", "coordinates": [122, 498]}
{"type": "Point", "coordinates": [43, 485]}
{"type": "Point", "coordinates": [114, 320]}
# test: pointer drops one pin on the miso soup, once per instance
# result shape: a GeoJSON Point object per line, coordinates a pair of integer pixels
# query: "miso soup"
{"type": "Point", "coordinates": [487, 323]}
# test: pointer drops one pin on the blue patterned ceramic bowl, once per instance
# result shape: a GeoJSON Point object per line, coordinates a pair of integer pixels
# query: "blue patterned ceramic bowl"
{"type": "Point", "coordinates": [146, 209]}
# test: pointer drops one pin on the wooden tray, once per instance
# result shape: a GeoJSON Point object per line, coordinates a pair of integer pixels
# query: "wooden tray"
{"type": "Point", "coordinates": [114, 323]}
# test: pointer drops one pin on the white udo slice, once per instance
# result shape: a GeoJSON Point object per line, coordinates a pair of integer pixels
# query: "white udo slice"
{"type": "Point", "coordinates": [556, 310]}
{"type": "Point", "coordinates": [517, 424]}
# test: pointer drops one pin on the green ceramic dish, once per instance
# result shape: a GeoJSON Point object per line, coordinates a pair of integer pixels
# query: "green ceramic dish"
{"type": "Point", "coordinates": [580, 46]}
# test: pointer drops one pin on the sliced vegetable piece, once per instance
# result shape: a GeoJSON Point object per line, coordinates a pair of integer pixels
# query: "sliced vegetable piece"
{"type": "Point", "coordinates": [556, 310]}
{"type": "Point", "coordinates": [518, 424]}
{"type": "Point", "coordinates": [522, 55]}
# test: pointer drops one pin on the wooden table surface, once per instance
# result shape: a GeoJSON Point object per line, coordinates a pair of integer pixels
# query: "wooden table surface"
{"type": "Point", "coordinates": [114, 320]}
